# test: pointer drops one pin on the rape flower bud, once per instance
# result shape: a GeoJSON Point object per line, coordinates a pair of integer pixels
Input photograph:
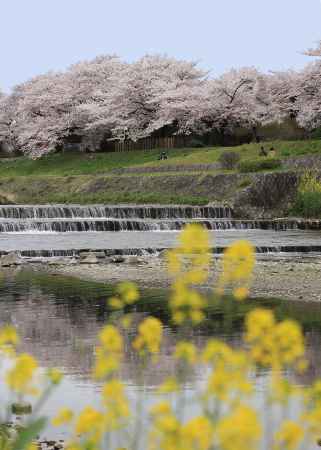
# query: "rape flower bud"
{"type": "Point", "coordinates": [55, 376]}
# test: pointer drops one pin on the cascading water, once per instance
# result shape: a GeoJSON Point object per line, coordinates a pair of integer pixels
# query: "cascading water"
{"type": "Point", "coordinates": [66, 230]}
{"type": "Point", "coordinates": [116, 212]}
{"type": "Point", "coordinates": [100, 218]}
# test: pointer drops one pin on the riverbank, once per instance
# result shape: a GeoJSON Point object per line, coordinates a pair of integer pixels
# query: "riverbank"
{"type": "Point", "coordinates": [188, 176]}
{"type": "Point", "coordinates": [292, 278]}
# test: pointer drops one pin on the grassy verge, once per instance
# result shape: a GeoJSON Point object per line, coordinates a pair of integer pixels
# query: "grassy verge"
{"type": "Point", "coordinates": [86, 189]}
{"type": "Point", "coordinates": [308, 200]}
{"type": "Point", "coordinates": [126, 197]}
{"type": "Point", "coordinates": [67, 164]}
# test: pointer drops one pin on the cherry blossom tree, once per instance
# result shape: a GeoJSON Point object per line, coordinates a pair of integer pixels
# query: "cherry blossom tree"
{"type": "Point", "coordinates": [107, 98]}
{"type": "Point", "coordinates": [309, 97]}
{"type": "Point", "coordinates": [48, 107]}
{"type": "Point", "coordinates": [145, 96]}
{"type": "Point", "coordinates": [239, 98]}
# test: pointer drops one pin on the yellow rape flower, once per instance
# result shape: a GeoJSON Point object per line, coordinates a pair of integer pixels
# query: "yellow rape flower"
{"type": "Point", "coordinates": [116, 404]}
{"type": "Point", "coordinates": [216, 352]}
{"type": "Point", "coordinates": [186, 351]}
{"type": "Point", "coordinates": [20, 377]}
{"type": "Point", "coordinates": [289, 437]}
{"type": "Point", "coordinates": [259, 322]}
{"type": "Point", "coordinates": [238, 261]}
{"type": "Point", "coordinates": [239, 430]}
{"type": "Point", "coordinates": [111, 339]}
{"type": "Point", "coordinates": [64, 416]}
{"type": "Point", "coordinates": [54, 375]}
{"type": "Point", "coordinates": [32, 446]}
{"type": "Point", "coordinates": [194, 239]}
{"type": "Point", "coordinates": [128, 292]}
{"type": "Point", "coordinates": [105, 364]}
{"type": "Point", "coordinates": [290, 341]}
{"type": "Point", "coordinates": [189, 263]}
{"type": "Point", "coordinates": [149, 336]}
{"type": "Point", "coordinates": [238, 264]}
{"type": "Point", "coordinates": [174, 262]}
{"type": "Point", "coordinates": [240, 293]}
{"type": "Point", "coordinates": [90, 421]}
{"type": "Point", "coordinates": [160, 408]}
{"type": "Point", "coordinates": [274, 344]}
{"type": "Point", "coordinates": [197, 434]}
{"type": "Point", "coordinates": [109, 353]}
{"type": "Point", "coordinates": [8, 336]}
{"type": "Point", "coordinates": [166, 430]}
{"type": "Point", "coordinates": [169, 386]}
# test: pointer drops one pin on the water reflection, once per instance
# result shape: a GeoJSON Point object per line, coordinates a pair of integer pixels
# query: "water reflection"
{"type": "Point", "coordinates": [58, 319]}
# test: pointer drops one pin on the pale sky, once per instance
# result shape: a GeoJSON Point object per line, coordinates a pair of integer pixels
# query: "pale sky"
{"type": "Point", "coordinates": [41, 35]}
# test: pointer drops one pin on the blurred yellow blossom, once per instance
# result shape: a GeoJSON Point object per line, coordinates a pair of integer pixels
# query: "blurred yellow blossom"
{"type": "Point", "coordinates": [271, 343]}
{"type": "Point", "coordinates": [64, 416]}
{"type": "Point", "coordinates": [197, 434]}
{"type": "Point", "coordinates": [149, 336]}
{"type": "Point", "coordinates": [20, 378]}
{"type": "Point", "coordinates": [109, 352]}
{"type": "Point", "coordinates": [239, 430]}
{"type": "Point", "coordinates": [8, 336]}
{"type": "Point", "coordinates": [54, 375]}
{"type": "Point", "coordinates": [241, 293]}
{"type": "Point", "coordinates": [186, 351]}
{"type": "Point", "coordinates": [189, 263]}
{"type": "Point", "coordinates": [115, 403]}
{"type": "Point", "coordinates": [169, 386]}
{"type": "Point", "coordinates": [126, 294]}
{"type": "Point", "coordinates": [111, 339]}
{"type": "Point", "coordinates": [90, 421]}
{"type": "Point", "coordinates": [237, 268]}
{"type": "Point", "coordinates": [289, 436]}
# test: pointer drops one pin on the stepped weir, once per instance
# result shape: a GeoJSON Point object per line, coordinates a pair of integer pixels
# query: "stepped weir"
{"type": "Point", "coordinates": [66, 230]}
{"type": "Point", "coordinates": [100, 218]}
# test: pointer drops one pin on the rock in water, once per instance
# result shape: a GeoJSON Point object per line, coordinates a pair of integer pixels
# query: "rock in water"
{"type": "Point", "coordinates": [11, 259]}
{"type": "Point", "coordinates": [91, 258]}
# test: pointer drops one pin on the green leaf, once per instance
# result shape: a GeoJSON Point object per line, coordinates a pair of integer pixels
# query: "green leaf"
{"type": "Point", "coordinates": [28, 434]}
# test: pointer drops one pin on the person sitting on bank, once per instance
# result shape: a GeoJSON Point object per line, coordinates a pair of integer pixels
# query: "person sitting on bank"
{"type": "Point", "coordinates": [272, 152]}
{"type": "Point", "coordinates": [263, 152]}
{"type": "Point", "coordinates": [162, 156]}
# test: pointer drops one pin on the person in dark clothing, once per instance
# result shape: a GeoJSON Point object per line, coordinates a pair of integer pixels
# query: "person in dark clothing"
{"type": "Point", "coordinates": [263, 152]}
{"type": "Point", "coordinates": [162, 156]}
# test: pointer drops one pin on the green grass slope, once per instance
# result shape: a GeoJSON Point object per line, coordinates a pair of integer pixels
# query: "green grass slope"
{"type": "Point", "coordinates": [67, 164]}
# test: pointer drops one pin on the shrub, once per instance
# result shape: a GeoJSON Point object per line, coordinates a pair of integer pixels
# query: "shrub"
{"type": "Point", "coordinates": [308, 200]}
{"type": "Point", "coordinates": [229, 160]}
{"type": "Point", "coordinates": [256, 165]}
